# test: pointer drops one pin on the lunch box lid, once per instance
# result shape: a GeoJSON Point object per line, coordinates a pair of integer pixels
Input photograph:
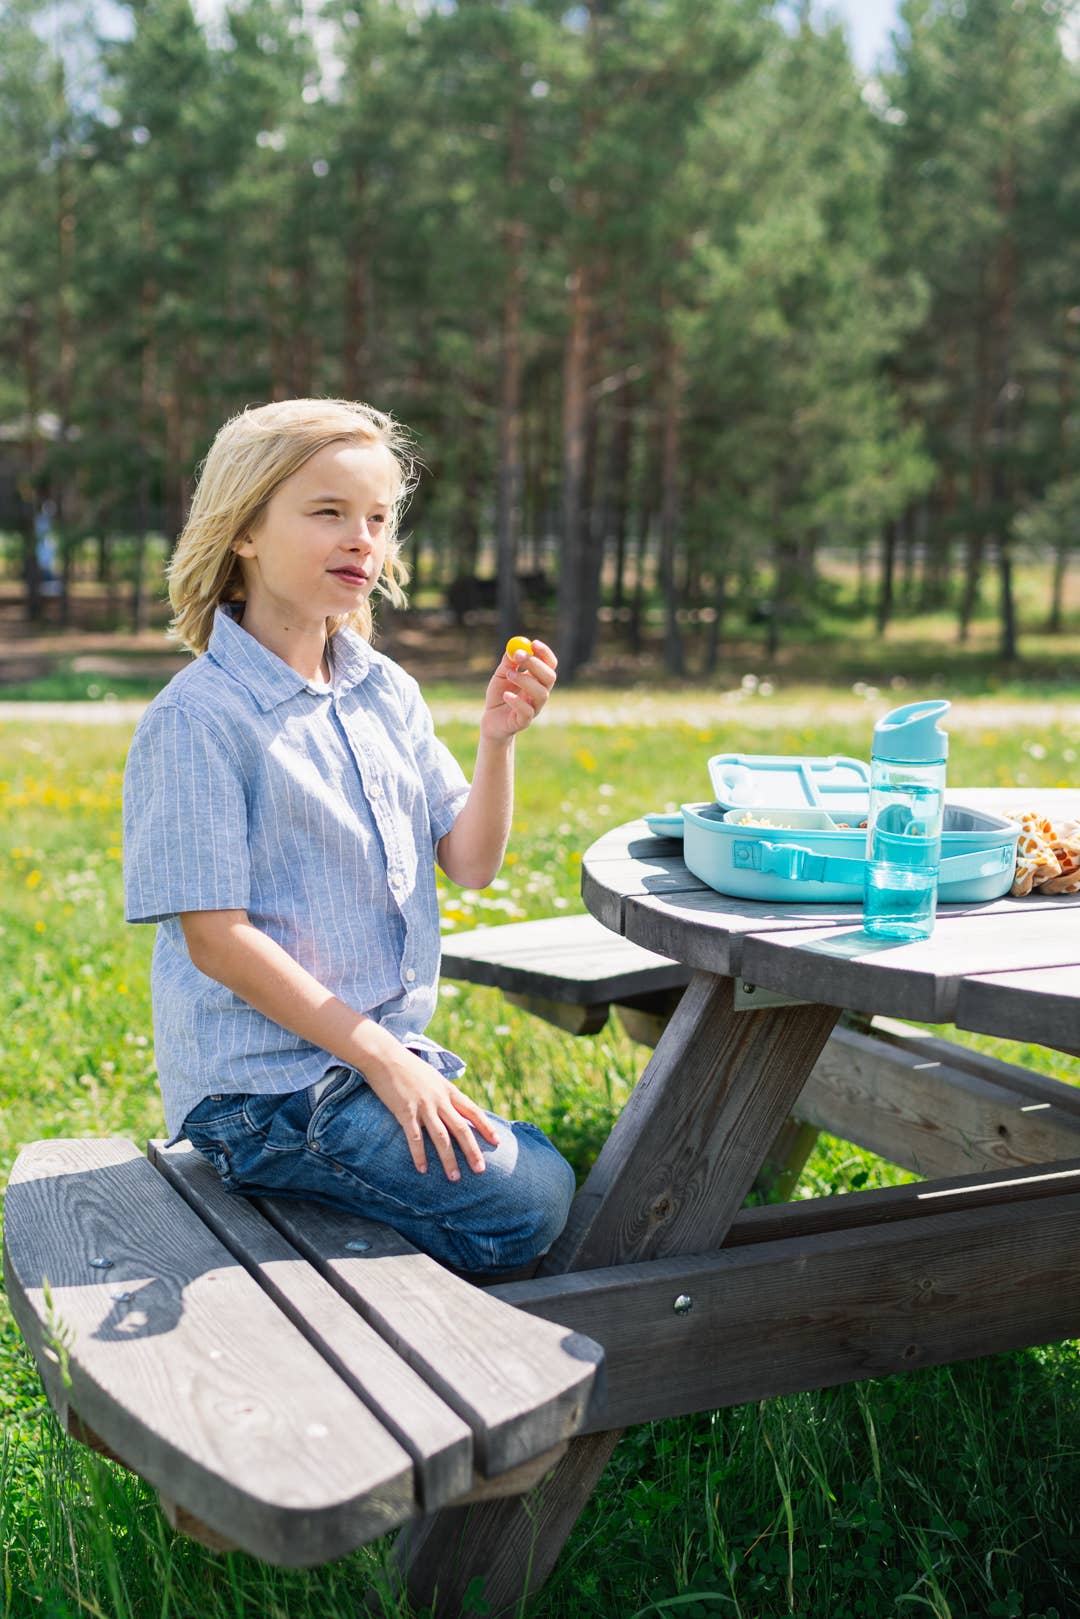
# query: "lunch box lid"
{"type": "Point", "coordinates": [835, 784]}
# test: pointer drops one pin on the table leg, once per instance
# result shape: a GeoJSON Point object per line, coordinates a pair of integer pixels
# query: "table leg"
{"type": "Point", "coordinates": [670, 1179]}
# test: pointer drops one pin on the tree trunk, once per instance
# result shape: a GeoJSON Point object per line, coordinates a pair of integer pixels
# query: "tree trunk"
{"type": "Point", "coordinates": [673, 371]}
{"type": "Point", "coordinates": [1002, 481]}
{"type": "Point", "coordinates": [888, 570]}
{"type": "Point", "coordinates": [354, 356]}
{"type": "Point", "coordinates": [574, 449]}
{"type": "Point", "coordinates": [1057, 588]}
{"type": "Point", "coordinates": [509, 474]}
{"type": "Point", "coordinates": [29, 335]}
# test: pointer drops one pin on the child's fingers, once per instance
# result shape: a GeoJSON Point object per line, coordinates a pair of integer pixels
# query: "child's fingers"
{"type": "Point", "coordinates": [458, 1126]}
{"type": "Point", "coordinates": [440, 1140]}
{"type": "Point", "coordinates": [542, 651]}
{"type": "Point", "coordinates": [414, 1140]}
{"type": "Point", "coordinates": [475, 1115]}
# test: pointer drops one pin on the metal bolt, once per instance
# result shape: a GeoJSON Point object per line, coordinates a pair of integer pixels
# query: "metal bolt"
{"type": "Point", "coordinates": [121, 1294]}
{"type": "Point", "coordinates": [99, 1262]}
{"type": "Point", "coordinates": [359, 1245]}
{"type": "Point", "coordinates": [683, 1303]}
{"type": "Point", "coordinates": [748, 989]}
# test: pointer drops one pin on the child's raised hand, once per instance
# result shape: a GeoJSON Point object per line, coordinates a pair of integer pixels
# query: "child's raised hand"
{"type": "Point", "coordinates": [518, 689]}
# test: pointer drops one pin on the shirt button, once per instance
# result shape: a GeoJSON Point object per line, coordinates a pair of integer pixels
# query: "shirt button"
{"type": "Point", "coordinates": [410, 974]}
{"type": "Point", "coordinates": [373, 790]}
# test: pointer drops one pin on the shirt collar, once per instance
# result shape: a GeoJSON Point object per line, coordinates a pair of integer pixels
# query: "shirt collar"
{"type": "Point", "coordinates": [270, 680]}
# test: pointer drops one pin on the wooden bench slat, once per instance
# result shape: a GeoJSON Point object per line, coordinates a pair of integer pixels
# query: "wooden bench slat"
{"type": "Point", "coordinates": [197, 1380]}
{"type": "Point", "coordinates": [573, 959]}
{"type": "Point", "coordinates": [915, 1105]}
{"type": "Point", "coordinates": [437, 1439]}
{"type": "Point", "coordinates": [810, 1311]}
{"type": "Point", "coordinates": [522, 1390]}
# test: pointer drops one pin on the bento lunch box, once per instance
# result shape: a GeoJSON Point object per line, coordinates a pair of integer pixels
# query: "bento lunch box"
{"type": "Point", "coordinates": [804, 854]}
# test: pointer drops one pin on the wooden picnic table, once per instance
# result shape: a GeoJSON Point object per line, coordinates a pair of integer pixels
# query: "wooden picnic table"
{"type": "Point", "coordinates": [700, 1303]}
{"type": "Point", "coordinates": [377, 1389]}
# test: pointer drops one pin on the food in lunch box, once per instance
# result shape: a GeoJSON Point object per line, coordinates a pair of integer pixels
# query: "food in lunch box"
{"type": "Point", "coordinates": [1047, 854]}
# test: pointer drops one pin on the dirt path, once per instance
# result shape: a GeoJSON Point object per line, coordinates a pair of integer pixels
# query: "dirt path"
{"type": "Point", "coordinates": [703, 711]}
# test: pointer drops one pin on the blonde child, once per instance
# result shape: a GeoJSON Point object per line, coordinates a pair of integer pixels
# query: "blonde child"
{"type": "Point", "coordinates": [285, 803]}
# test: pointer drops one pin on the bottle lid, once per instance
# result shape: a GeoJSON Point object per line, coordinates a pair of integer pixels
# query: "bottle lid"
{"type": "Point", "coordinates": [910, 734]}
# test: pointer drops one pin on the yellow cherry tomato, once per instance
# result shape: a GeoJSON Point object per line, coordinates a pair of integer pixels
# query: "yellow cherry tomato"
{"type": "Point", "coordinates": [518, 643]}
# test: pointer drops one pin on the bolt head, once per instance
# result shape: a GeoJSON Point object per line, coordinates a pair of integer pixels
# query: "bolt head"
{"type": "Point", "coordinates": [683, 1304]}
{"type": "Point", "coordinates": [358, 1245]}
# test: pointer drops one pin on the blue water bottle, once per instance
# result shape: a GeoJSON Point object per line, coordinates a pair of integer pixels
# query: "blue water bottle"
{"type": "Point", "coordinates": [903, 836]}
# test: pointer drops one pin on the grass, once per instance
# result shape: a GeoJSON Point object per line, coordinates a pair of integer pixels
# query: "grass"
{"type": "Point", "coordinates": [952, 1491]}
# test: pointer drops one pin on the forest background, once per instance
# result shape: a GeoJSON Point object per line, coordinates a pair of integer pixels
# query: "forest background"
{"type": "Point", "coordinates": [673, 297]}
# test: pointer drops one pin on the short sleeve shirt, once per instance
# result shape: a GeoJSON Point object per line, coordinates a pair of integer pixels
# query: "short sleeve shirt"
{"type": "Point", "coordinates": [316, 809]}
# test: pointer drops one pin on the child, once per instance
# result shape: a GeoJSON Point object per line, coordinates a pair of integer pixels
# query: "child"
{"type": "Point", "coordinates": [285, 801]}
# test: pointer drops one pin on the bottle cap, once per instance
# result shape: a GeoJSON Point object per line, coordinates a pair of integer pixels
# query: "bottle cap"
{"type": "Point", "coordinates": [910, 735]}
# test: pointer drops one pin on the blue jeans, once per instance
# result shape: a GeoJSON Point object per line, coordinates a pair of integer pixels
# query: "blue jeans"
{"type": "Point", "coordinates": [347, 1149]}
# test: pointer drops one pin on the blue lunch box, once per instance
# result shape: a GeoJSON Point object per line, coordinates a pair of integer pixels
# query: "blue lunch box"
{"type": "Point", "coordinates": [813, 849]}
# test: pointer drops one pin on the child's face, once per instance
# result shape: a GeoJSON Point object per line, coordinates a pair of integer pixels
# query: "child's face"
{"type": "Point", "coordinates": [319, 546]}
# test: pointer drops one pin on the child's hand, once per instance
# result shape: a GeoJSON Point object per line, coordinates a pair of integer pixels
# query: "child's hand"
{"type": "Point", "coordinates": [421, 1099]}
{"type": "Point", "coordinates": [517, 691]}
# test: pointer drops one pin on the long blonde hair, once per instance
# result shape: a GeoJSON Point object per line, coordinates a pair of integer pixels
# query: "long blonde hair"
{"type": "Point", "coordinates": [250, 458]}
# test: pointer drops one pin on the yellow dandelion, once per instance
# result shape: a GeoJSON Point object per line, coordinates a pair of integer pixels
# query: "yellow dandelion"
{"type": "Point", "coordinates": [39, 927]}
{"type": "Point", "coordinates": [33, 878]}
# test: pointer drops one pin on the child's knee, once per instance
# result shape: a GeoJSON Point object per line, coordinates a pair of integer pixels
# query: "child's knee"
{"type": "Point", "coordinates": [535, 1199]}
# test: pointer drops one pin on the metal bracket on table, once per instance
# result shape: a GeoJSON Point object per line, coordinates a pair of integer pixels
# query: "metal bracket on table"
{"type": "Point", "coordinates": [752, 997]}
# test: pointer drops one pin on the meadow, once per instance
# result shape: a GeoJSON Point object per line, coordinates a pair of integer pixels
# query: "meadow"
{"type": "Point", "coordinates": [951, 1491]}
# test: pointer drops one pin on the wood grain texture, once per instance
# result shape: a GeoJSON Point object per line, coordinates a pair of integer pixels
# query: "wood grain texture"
{"type": "Point", "coordinates": [918, 1109]}
{"type": "Point", "coordinates": [509, 1547]}
{"type": "Point", "coordinates": [1041, 1005]}
{"type": "Point", "coordinates": [195, 1377]}
{"type": "Point", "coordinates": [845, 967]}
{"type": "Point", "coordinates": [812, 1311]}
{"type": "Point", "coordinates": [1014, 1077]}
{"type": "Point", "coordinates": [629, 860]}
{"type": "Point", "coordinates": [437, 1439]}
{"type": "Point", "coordinates": [521, 1390]}
{"type": "Point", "coordinates": [571, 959]}
{"type": "Point", "coordinates": [675, 1169]}
{"type": "Point", "coordinates": [854, 1211]}
{"type": "Point", "coordinates": [684, 1152]}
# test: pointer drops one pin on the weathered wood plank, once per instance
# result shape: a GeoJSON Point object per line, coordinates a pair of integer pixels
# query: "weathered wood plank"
{"type": "Point", "coordinates": [507, 1547]}
{"type": "Point", "coordinates": [845, 967]}
{"type": "Point", "coordinates": [1041, 1005]}
{"type": "Point", "coordinates": [570, 1017]}
{"type": "Point", "coordinates": [438, 1440]}
{"type": "Point", "coordinates": [921, 1111]}
{"type": "Point", "coordinates": [810, 1312]}
{"type": "Point", "coordinates": [574, 960]}
{"type": "Point", "coordinates": [520, 1390]}
{"type": "Point", "coordinates": [676, 1167]}
{"type": "Point", "coordinates": [184, 1366]}
{"type": "Point", "coordinates": [1014, 1077]}
{"type": "Point", "coordinates": [854, 1211]}
{"type": "Point", "coordinates": [710, 929]}
{"type": "Point", "coordinates": [629, 860]}
{"type": "Point", "coordinates": [686, 1148]}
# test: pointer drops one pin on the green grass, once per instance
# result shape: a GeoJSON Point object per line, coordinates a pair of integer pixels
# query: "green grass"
{"type": "Point", "coordinates": [952, 1491]}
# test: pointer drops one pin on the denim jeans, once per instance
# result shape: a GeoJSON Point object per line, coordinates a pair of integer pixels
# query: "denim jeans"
{"type": "Point", "coordinates": [348, 1150]}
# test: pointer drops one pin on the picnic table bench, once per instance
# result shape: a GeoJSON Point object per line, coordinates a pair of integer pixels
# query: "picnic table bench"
{"type": "Point", "coordinates": [292, 1379]}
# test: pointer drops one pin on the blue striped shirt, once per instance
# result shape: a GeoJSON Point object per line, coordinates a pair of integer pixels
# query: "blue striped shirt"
{"type": "Point", "coordinates": [314, 808]}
